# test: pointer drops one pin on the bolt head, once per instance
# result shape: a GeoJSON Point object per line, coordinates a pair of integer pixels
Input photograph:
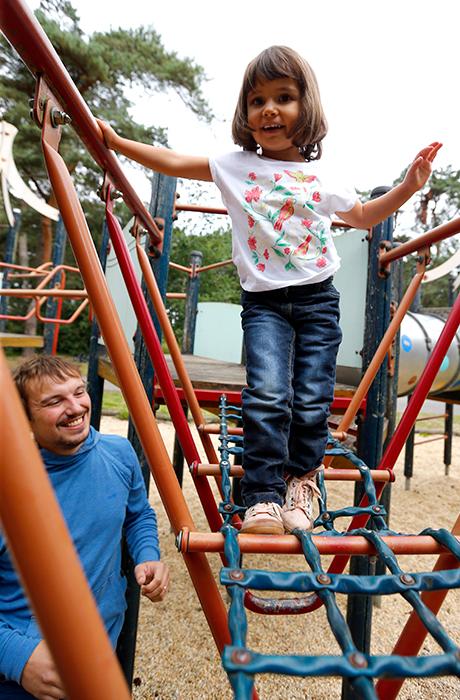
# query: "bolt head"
{"type": "Point", "coordinates": [237, 575]}
{"type": "Point", "coordinates": [324, 579]}
{"type": "Point", "coordinates": [358, 660]}
{"type": "Point", "coordinates": [241, 656]}
{"type": "Point", "coordinates": [407, 579]}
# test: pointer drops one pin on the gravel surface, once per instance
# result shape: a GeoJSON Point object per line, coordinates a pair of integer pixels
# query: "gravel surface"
{"type": "Point", "coordinates": [176, 656]}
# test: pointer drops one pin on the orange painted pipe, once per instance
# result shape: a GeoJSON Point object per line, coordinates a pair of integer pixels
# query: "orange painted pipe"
{"type": "Point", "coordinates": [380, 355]}
{"type": "Point", "coordinates": [349, 545]}
{"type": "Point", "coordinates": [31, 293]}
{"type": "Point", "coordinates": [128, 376]}
{"type": "Point", "coordinates": [329, 474]}
{"type": "Point", "coordinates": [424, 241]}
{"type": "Point", "coordinates": [47, 563]}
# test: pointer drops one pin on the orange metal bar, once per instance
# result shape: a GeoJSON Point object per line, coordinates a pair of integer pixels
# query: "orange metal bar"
{"type": "Point", "coordinates": [176, 295]}
{"type": "Point", "coordinates": [214, 266]}
{"type": "Point", "coordinates": [414, 632]}
{"type": "Point", "coordinates": [182, 268]}
{"type": "Point", "coordinates": [380, 355]}
{"type": "Point", "coordinates": [424, 241]}
{"type": "Point", "coordinates": [63, 321]}
{"type": "Point", "coordinates": [128, 376]}
{"type": "Point", "coordinates": [55, 292]}
{"type": "Point", "coordinates": [329, 474]}
{"type": "Point", "coordinates": [348, 545]}
{"type": "Point", "coordinates": [48, 564]}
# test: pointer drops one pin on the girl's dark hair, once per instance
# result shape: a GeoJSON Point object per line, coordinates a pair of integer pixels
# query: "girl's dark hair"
{"type": "Point", "coordinates": [282, 62]}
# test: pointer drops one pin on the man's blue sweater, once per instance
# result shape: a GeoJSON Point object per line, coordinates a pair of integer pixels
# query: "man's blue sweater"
{"type": "Point", "coordinates": [102, 494]}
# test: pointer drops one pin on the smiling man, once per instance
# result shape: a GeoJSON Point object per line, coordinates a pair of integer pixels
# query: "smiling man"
{"type": "Point", "coordinates": [99, 486]}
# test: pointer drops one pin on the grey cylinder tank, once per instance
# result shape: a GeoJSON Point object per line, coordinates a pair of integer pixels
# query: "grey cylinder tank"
{"type": "Point", "coordinates": [419, 333]}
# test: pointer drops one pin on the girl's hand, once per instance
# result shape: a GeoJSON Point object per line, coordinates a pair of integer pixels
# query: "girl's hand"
{"type": "Point", "coordinates": [108, 135]}
{"type": "Point", "coordinates": [420, 170]}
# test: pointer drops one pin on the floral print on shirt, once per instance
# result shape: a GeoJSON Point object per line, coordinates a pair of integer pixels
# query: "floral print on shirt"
{"type": "Point", "coordinates": [285, 203]}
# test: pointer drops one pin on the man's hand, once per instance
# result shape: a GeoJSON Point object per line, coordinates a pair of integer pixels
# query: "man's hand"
{"type": "Point", "coordinates": [153, 578]}
{"type": "Point", "coordinates": [40, 677]}
{"type": "Point", "coordinates": [420, 169]}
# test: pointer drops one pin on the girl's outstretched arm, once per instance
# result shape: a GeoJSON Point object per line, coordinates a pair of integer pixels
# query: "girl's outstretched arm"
{"type": "Point", "coordinates": [376, 210]}
{"type": "Point", "coordinates": [163, 160]}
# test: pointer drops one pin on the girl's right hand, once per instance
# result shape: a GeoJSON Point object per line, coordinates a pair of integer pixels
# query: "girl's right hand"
{"type": "Point", "coordinates": [108, 135]}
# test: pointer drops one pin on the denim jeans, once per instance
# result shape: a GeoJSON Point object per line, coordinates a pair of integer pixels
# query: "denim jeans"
{"type": "Point", "coordinates": [9, 690]}
{"type": "Point", "coordinates": [291, 336]}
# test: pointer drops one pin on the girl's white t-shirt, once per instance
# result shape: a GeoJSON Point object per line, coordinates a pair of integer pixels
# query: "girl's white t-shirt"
{"type": "Point", "coordinates": [281, 213]}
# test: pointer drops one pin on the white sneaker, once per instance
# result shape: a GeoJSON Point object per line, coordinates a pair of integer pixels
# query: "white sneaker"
{"type": "Point", "coordinates": [263, 519]}
{"type": "Point", "coordinates": [297, 512]}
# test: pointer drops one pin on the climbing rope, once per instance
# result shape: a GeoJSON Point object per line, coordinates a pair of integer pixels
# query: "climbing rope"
{"type": "Point", "coordinates": [242, 664]}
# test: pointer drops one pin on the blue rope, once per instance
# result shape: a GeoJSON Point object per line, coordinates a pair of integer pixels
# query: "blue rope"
{"type": "Point", "coordinates": [242, 664]}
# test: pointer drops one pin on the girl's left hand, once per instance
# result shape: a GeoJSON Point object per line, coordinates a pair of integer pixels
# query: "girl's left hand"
{"type": "Point", "coordinates": [420, 169]}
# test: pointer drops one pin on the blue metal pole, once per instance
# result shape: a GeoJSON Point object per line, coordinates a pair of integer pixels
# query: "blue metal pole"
{"type": "Point", "coordinates": [161, 207]}
{"type": "Point", "coordinates": [370, 442]}
{"type": "Point", "coordinates": [94, 381]}
{"type": "Point", "coordinates": [10, 246]}
{"type": "Point", "coordinates": [60, 240]}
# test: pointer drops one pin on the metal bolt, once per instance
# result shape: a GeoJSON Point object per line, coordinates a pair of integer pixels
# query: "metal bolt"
{"type": "Point", "coordinates": [325, 516]}
{"type": "Point", "coordinates": [407, 579]}
{"type": "Point", "coordinates": [324, 579]}
{"type": "Point", "coordinates": [58, 117]}
{"type": "Point", "coordinates": [240, 656]}
{"type": "Point", "coordinates": [358, 660]}
{"type": "Point", "coordinates": [237, 575]}
{"type": "Point", "coordinates": [228, 507]}
{"type": "Point", "coordinates": [376, 509]}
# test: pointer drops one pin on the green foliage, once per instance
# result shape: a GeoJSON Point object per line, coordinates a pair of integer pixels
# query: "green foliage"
{"type": "Point", "coordinates": [437, 203]}
{"type": "Point", "coordinates": [220, 284]}
{"type": "Point", "coordinates": [104, 66]}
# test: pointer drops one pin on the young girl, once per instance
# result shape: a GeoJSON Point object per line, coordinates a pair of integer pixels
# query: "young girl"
{"type": "Point", "coordinates": [281, 211]}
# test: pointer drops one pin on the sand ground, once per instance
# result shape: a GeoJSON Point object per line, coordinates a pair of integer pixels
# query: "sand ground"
{"type": "Point", "coordinates": [176, 656]}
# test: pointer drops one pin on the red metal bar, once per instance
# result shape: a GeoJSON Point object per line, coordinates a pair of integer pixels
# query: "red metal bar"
{"type": "Point", "coordinates": [414, 632]}
{"type": "Point", "coordinates": [30, 41]}
{"type": "Point", "coordinates": [434, 236]}
{"type": "Point", "coordinates": [48, 565]}
{"type": "Point", "coordinates": [158, 360]}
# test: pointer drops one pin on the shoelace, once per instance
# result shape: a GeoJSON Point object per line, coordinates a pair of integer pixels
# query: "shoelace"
{"type": "Point", "coordinates": [260, 508]}
{"type": "Point", "coordinates": [302, 493]}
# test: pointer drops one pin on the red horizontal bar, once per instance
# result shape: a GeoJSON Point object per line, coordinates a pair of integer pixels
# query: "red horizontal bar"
{"type": "Point", "coordinates": [211, 397]}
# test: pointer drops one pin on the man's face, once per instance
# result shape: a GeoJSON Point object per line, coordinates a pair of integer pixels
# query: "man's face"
{"type": "Point", "coordinates": [59, 413]}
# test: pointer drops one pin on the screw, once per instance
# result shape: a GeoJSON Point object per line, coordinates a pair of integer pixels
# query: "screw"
{"type": "Point", "coordinates": [324, 579]}
{"type": "Point", "coordinates": [241, 656]}
{"type": "Point", "coordinates": [376, 509]}
{"type": "Point", "coordinates": [228, 507]}
{"type": "Point", "coordinates": [236, 575]}
{"type": "Point", "coordinates": [325, 516]}
{"type": "Point", "coordinates": [358, 660]}
{"type": "Point", "coordinates": [58, 117]}
{"type": "Point", "coordinates": [407, 579]}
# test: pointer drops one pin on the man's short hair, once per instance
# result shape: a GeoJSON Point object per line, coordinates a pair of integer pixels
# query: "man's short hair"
{"type": "Point", "coordinates": [41, 367]}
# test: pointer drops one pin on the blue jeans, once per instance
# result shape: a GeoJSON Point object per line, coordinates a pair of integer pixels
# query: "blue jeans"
{"type": "Point", "coordinates": [292, 336]}
{"type": "Point", "coordinates": [9, 690]}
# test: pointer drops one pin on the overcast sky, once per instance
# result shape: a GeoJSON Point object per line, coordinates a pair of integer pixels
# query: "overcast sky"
{"type": "Point", "coordinates": [388, 72]}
